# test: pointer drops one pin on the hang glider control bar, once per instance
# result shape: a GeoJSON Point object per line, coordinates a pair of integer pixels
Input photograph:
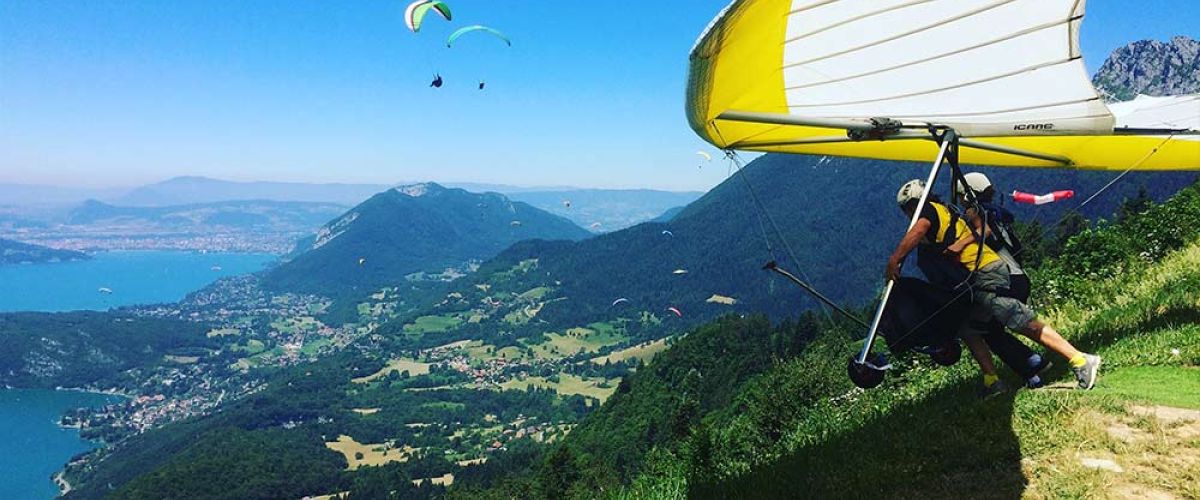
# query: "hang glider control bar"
{"type": "Point", "coordinates": [881, 129]}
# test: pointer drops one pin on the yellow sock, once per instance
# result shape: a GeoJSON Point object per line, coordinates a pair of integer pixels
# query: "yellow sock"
{"type": "Point", "coordinates": [989, 379]}
{"type": "Point", "coordinates": [1078, 361]}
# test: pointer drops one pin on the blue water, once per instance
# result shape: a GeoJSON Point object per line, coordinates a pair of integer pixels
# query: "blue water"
{"type": "Point", "coordinates": [32, 445]}
{"type": "Point", "coordinates": [133, 277]}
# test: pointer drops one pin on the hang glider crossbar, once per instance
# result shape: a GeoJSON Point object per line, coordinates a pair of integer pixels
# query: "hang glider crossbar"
{"type": "Point", "coordinates": [874, 129]}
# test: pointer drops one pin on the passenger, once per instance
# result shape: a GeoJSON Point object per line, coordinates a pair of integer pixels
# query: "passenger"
{"type": "Point", "coordinates": [937, 225]}
{"type": "Point", "coordinates": [1001, 237]}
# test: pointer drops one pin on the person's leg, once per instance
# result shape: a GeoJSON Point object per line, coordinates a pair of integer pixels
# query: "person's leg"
{"type": "Point", "coordinates": [1043, 334]}
{"type": "Point", "coordinates": [1010, 350]}
{"type": "Point", "coordinates": [983, 355]}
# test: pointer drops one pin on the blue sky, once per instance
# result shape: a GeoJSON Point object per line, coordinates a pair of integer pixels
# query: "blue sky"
{"type": "Point", "coordinates": [112, 93]}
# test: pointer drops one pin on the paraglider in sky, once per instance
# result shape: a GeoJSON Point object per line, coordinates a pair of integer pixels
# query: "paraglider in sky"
{"type": "Point", "coordinates": [676, 311]}
{"type": "Point", "coordinates": [480, 85]}
{"type": "Point", "coordinates": [214, 268]}
{"type": "Point", "coordinates": [679, 271]}
{"type": "Point", "coordinates": [105, 290]}
{"type": "Point", "coordinates": [362, 260]}
{"type": "Point", "coordinates": [414, 15]}
{"type": "Point", "coordinates": [706, 156]}
{"type": "Point", "coordinates": [515, 223]}
{"type": "Point", "coordinates": [477, 29]}
{"type": "Point", "coordinates": [668, 233]}
{"type": "Point", "coordinates": [1042, 199]}
{"type": "Point", "coordinates": [566, 203]}
{"type": "Point", "coordinates": [620, 300]}
{"type": "Point", "coordinates": [437, 81]}
{"type": "Point", "coordinates": [595, 225]}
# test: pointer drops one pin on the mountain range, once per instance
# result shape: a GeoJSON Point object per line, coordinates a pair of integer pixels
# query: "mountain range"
{"type": "Point", "coordinates": [420, 228]}
{"type": "Point", "coordinates": [252, 215]}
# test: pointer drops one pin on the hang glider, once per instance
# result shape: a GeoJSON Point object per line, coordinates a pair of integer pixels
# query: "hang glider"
{"type": "Point", "coordinates": [864, 79]}
{"type": "Point", "coordinates": [985, 82]}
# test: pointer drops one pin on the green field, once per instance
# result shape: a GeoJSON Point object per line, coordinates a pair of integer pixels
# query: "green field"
{"type": "Point", "coordinates": [399, 365]}
{"type": "Point", "coordinates": [567, 384]}
{"type": "Point", "coordinates": [576, 340]}
{"type": "Point", "coordinates": [433, 324]}
{"type": "Point", "coordinates": [643, 352]}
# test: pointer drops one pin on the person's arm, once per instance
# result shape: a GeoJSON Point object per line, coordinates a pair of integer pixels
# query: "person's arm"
{"type": "Point", "coordinates": [911, 239]}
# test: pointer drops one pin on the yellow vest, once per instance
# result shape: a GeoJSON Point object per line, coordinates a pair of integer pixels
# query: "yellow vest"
{"type": "Point", "coordinates": [970, 252]}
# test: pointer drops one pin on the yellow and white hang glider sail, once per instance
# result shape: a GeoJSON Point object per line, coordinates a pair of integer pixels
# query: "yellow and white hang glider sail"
{"type": "Point", "coordinates": [858, 77]}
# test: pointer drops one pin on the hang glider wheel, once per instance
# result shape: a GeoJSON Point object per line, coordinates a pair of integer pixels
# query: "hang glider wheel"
{"type": "Point", "coordinates": [948, 354]}
{"type": "Point", "coordinates": [864, 375]}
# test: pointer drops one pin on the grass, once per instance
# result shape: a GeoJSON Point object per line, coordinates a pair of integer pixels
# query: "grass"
{"type": "Point", "coordinates": [567, 384]}
{"type": "Point", "coordinates": [371, 454]}
{"type": "Point", "coordinates": [1163, 385]}
{"type": "Point", "coordinates": [644, 352]}
{"type": "Point", "coordinates": [433, 324]}
{"type": "Point", "coordinates": [576, 340]}
{"type": "Point", "coordinates": [535, 293]}
{"type": "Point", "coordinates": [925, 435]}
{"type": "Point", "coordinates": [222, 332]}
{"type": "Point", "coordinates": [311, 347]}
{"type": "Point", "coordinates": [398, 365]}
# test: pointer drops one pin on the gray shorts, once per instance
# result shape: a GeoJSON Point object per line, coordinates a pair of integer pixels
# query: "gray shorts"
{"type": "Point", "coordinates": [1010, 312]}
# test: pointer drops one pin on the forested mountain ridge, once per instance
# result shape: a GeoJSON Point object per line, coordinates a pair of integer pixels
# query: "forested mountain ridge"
{"type": "Point", "coordinates": [89, 349]}
{"type": "Point", "coordinates": [413, 229]}
{"type": "Point", "coordinates": [15, 252]}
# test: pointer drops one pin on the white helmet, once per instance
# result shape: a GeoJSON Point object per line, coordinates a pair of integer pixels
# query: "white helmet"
{"type": "Point", "coordinates": [976, 181]}
{"type": "Point", "coordinates": [910, 191]}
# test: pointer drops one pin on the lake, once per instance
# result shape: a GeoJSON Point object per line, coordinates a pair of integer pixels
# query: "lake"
{"type": "Point", "coordinates": [32, 445]}
{"type": "Point", "coordinates": [132, 277]}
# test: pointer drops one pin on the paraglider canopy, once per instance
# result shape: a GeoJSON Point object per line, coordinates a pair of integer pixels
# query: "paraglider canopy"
{"type": "Point", "coordinates": [865, 79]}
{"type": "Point", "coordinates": [414, 15]}
{"type": "Point", "coordinates": [676, 311]}
{"type": "Point", "coordinates": [620, 300]}
{"type": "Point", "coordinates": [477, 29]}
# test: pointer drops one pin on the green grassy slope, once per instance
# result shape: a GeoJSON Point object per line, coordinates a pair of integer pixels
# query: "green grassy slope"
{"type": "Point", "coordinates": [1129, 291]}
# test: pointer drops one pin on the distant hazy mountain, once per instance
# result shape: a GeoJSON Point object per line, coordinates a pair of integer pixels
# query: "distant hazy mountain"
{"type": "Point", "coordinates": [15, 252]}
{"type": "Point", "coordinates": [1151, 67]}
{"type": "Point", "coordinates": [274, 216]}
{"type": "Point", "coordinates": [28, 195]}
{"type": "Point", "coordinates": [603, 210]}
{"type": "Point", "coordinates": [190, 190]}
{"type": "Point", "coordinates": [409, 229]}
{"type": "Point", "coordinates": [611, 208]}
